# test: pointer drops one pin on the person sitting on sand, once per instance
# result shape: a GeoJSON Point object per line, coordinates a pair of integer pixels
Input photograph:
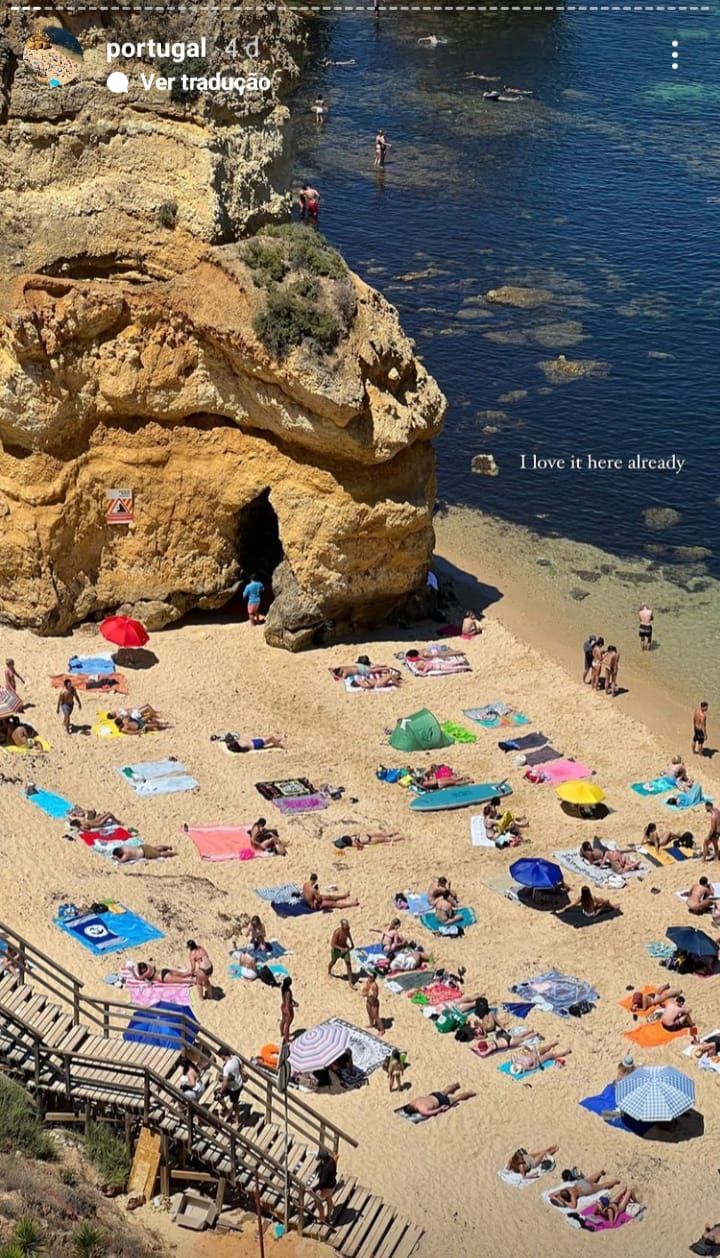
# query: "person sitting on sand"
{"type": "Point", "coordinates": [610, 1208]}
{"type": "Point", "coordinates": [409, 958]}
{"type": "Point", "coordinates": [441, 889]}
{"type": "Point", "coordinates": [317, 899]}
{"type": "Point", "coordinates": [523, 1163]}
{"type": "Point", "coordinates": [445, 912]}
{"type": "Point", "coordinates": [708, 1046]}
{"type": "Point", "coordinates": [619, 860]}
{"type": "Point", "coordinates": [591, 854]}
{"type": "Point", "coordinates": [142, 851]}
{"type": "Point", "coordinates": [438, 777]}
{"type": "Point", "coordinates": [642, 1002]}
{"type": "Point", "coordinates": [575, 1189]}
{"type": "Point", "coordinates": [626, 1066]}
{"type": "Point", "coordinates": [505, 823]}
{"type": "Point", "coordinates": [592, 905]}
{"type": "Point", "coordinates": [256, 936]}
{"type": "Point", "coordinates": [490, 1033]}
{"type": "Point", "coordinates": [137, 720]}
{"type": "Point", "coordinates": [471, 626]}
{"type": "Point", "coordinates": [391, 940]}
{"type": "Point", "coordinates": [19, 734]}
{"type": "Point", "coordinates": [527, 1058]}
{"type": "Point", "coordinates": [439, 1102]}
{"type": "Point", "coordinates": [701, 898]}
{"type": "Point", "coordinates": [370, 839]}
{"type": "Point", "coordinates": [653, 838]}
{"type": "Point", "coordinates": [675, 1016]}
{"type": "Point", "coordinates": [677, 770]}
{"type": "Point", "coordinates": [263, 839]}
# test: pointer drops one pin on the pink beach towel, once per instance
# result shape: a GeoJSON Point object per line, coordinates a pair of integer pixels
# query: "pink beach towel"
{"type": "Point", "coordinates": [223, 843]}
{"type": "Point", "coordinates": [604, 1225]}
{"type": "Point", "coordinates": [146, 995]}
{"type": "Point", "coordinates": [559, 771]}
{"type": "Point", "coordinates": [440, 993]}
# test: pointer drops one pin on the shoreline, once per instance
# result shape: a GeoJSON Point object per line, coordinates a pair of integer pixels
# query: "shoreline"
{"type": "Point", "coordinates": [556, 626]}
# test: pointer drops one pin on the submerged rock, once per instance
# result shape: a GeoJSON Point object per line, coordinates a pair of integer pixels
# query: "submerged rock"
{"type": "Point", "coordinates": [555, 335]}
{"type": "Point", "coordinates": [523, 298]}
{"type": "Point", "coordinates": [660, 518]}
{"type": "Point", "coordinates": [515, 395]}
{"type": "Point", "coordinates": [560, 370]}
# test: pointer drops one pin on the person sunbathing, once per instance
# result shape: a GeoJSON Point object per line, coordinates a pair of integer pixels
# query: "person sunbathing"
{"type": "Point", "coordinates": [391, 940]}
{"type": "Point", "coordinates": [359, 669]}
{"type": "Point", "coordinates": [535, 1059]}
{"type": "Point", "coordinates": [708, 1047]}
{"type": "Point", "coordinates": [490, 1033]}
{"type": "Point", "coordinates": [471, 626]}
{"type": "Point", "coordinates": [523, 1163]}
{"type": "Point", "coordinates": [317, 899]}
{"type": "Point", "coordinates": [90, 820]}
{"type": "Point", "coordinates": [441, 889]}
{"type": "Point", "coordinates": [439, 1102]}
{"type": "Point", "coordinates": [653, 838]}
{"type": "Point", "coordinates": [610, 1208]}
{"type": "Point", "coordinates": [137, 720]}
{"type": "Point", "coordinates": [439, 777]}
{"type": "Point", "coordinates": [142, 851]}
{"type": "Point", "coordinates": [675, 1016]}
{"type": "Point", "coordinates": [592, 905]}
{"type": "Point", "coordinates": [676, 769]}
{"type": "Point", "coordinates": [378, 679]}
{"type": "Point", "coordinates": [265, 743]}
{"type": "Point", "coordinates": [591, 854]}
{"type": "Point", "coordinates": [575, 1189]}
{"type": "Point", "coordinates": [409, 958]}
{"type": "Point", "coordinates": [701, 898]}
{"type": "Point", "coordinates": [642, 1002]}
{"type": "Point", "coordinates": [263, 839]}
{"type": "Point", "coordinates": [147, 972]}
{"type": "Point", "coordinates": [619, 860]}
{"type": "Point", "coordinates": [369, 839]}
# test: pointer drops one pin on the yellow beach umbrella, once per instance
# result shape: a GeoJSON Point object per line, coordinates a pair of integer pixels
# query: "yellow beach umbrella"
{"type": "Point", "coordinates": [583, 794]}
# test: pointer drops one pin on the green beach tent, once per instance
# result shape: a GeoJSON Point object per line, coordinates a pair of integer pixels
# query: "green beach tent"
{"type": "Point", "coordinates": [419, 732]}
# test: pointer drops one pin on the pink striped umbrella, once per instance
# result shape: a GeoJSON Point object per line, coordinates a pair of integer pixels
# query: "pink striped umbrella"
{"type": "Point", "coordinates": [9, 703]}
{"type": "Point", "coordinates": [319, 1047]}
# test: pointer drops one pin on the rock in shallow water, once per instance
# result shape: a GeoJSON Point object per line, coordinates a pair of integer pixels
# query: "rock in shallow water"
{"type": "Point", "coordinates": [660, 518]}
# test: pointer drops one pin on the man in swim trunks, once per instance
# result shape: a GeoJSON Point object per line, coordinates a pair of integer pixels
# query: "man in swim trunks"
{"type": "Point", "coordinates": [341, 946]}
{"type": "Point", "coordinates": [713, 835]}
{"type": "Point", "coordinates": [253, 593]}
{"type": "Point", "coordinates": [144, 851]}
{"type": "Point", "coordinates": [438, 1102]}
{"type": "Point", "coordinates": [266, 743]}
{"type": "Point", "coordinates": [675, 1016]}
{"type": "Point", "coordinates": [309, 199]}
{"type": "Point", "coordinates": [68, 699]}
{"type": "Point", "coordinates": [201, 968]}
{"type": "Point", "coordinates": [700, 897]}
{"type": "Point", "coordinates": [700, 728]}
{"type": "Point", "coordinates": [645, 626]}
{"type": "Point", "coordinates": [317, 899]}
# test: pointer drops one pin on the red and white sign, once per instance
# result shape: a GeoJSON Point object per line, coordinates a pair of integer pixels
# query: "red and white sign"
{"type": "Point", "coordinates": [119, 506]}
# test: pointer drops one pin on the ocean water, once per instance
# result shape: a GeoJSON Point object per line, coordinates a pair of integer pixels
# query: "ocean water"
{"type": "Point", "coordinates": [602, 189]}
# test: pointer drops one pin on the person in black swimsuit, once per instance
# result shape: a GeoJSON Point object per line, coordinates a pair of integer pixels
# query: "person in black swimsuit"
{"type": "Point", "coordinates": [438, 1102]}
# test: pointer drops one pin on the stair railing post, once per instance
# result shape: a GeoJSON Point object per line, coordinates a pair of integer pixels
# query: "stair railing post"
{"type": "Point", "coordinates": [36, 1054]}
{"type": "Point", "coordinates": [21, 962]}
{"type": "Point", "coordinates": [146, 1097]}
{"type": "Point", "coordinates": [76, 1001]}
{"type": "Point", "coordinates": [190, 1128]}
{"type": "Point", "coordinates": [68, 1077]}
{"type": "Point", "coordinates": [233, 1158]}
{"type": "Point", "coordinates": [106, 1020]}
{"type": "Point", "coordinates": [301, 1211]}
{"type": "Point", "coordinates": [268, 1101]}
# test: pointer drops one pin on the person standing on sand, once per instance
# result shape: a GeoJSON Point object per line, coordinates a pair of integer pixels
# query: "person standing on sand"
{"type": "Point", "coordinates": [12, 677]}
{"type": "Point", "coordinates": [287, 1008]}
{"type": "Point", "coordinates": [700, 728]}
{"type": "Point", "coordinates": [252, 594]}
{"type": "Point", "coordinates": [371, 993]}
{"type": "Point", "coordinates": [68, 699]}
{"type": "Point", "coordinates": [596, 660]}
{"type": "Point", "coordinates": [588, 645]}
{"type": "Point", "coordinates": [341, 946]}
{"type": "Point", "coordinates": [611, 660]}
{"type": "Point", "coordinates": [201, 968]}
{"type": "Point", "coordinates": [713, 836]}
{"type": "Point", "coordinates": [645, 627]}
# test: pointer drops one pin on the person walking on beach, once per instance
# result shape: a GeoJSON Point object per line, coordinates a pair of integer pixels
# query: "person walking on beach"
{"type": "Point", "coordinates": [201, 968]}
{"type": "Point", "coordinates": [68, 699]}
{"type": "Point", "coordinates": [12, 676]}
{"type": "Point", "coordinates": [288, 1005]}
{"type": "Point", "coordinates": [645, 627]}
{"type": "Point", "coordinates": [341, 946]}
{"type": "Point", "coordinates": [700, 728]}
{"type": "Point", "coordinates": [381, 148]}
{"type": "Point", "coordinates": [713, 835]}
{"type": "Point", "coordinates": [252, 594]}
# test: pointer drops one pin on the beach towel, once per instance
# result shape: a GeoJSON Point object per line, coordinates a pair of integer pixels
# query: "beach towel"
{"type": "Point", "coordinates": [286, 893]}
{"type": "Point", "coordinates": [597, 1223]}
{"type": "Point", "coordinates": [166, 786]}
{"type": "Point", "coordinates": [417, 904]}
{"type": "Point", "coordinates": [272, 952]}
{"type": "Point", "coordinates": [653, 1034]}
{"type": "Point", "coordinates": [110, 834]}
{"type": "Point", "coordinates": [147, 995]}
{"type": "Point", "coordinates": [505, 1069]}
{"type": "Point", "coordinates": [704, 1063]}
{"type": "Point", "coordinates": [158, 777]}
{"type": "Point", "coordinates": [292, 787]}
{"type": "Point", "coordinates": [223, 843]}
{"type": "Point", "coordinates": [660, 951]}
{"type": "Point", "coordinates": [90, 665]}
{"type": "Point", "coordinates": [407, 981]}
{"type": "Point", "coordinates": [368, 1051]}
{"type": "Point", "coordinates": [496, 716]}
{"type": "Point", "coordinates": [691, 798]}
{"type": "Point", "coordinates": [108, 683]}
{"type": "Point", "coordinates": [556, 992]}
{"type": "Point", "coordinates": [626, 1002]}
{"type": "Point", "coordinates": [571, 860]}
{"type": "Point", "coordinates": [301, 803]}
{"type": "Point", "coordinates": [656, 786]}
{"type": "Point", "coordinates": [504, 885]}
{"type": "Point", "coordinates": [577, 919]}
{"type": "Point", "coordinates": [436, 994]}
{"type": "Point", "coordinates": [297, 909]}
{"type": "Point", "coordinates": [527, 742]}
{"type": "Point", "coordinates": [665, 855]}
{"type": "Point", "coordinates": [110, 931]}
{"type": "Point", "coordinates": [39, 746]}
{"type": "Point", "coordinates": [55, 806]}
{"type": "Point", "coordinates": [458, 733]}
{"type": "Point", "coordinates": [432, 923]}
{"type": "Point", "coordinates": [105, 728]}
{"type": "Point", "coordinates": [559, 771]}
{"type": "Point", "coordinates": [605, 1103]}
{"type": "Point", "coordinates": [478, 833]}
{"type": "Point", "coordinates": [150, 770]}
{"type": "Point", "coordinates": [544, 755]}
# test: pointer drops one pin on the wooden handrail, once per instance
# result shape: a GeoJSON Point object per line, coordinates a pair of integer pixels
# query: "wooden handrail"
{"type": "Point", "coordinates": [97, 1011]}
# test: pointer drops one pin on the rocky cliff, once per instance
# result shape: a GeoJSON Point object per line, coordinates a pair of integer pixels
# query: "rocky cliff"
{"type": "Point", "coordinates": [260, 401]}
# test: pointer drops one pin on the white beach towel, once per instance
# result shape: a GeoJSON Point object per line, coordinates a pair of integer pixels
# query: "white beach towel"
{"type": "Point", "coordinates": [513, 1180]}
{"type": "Point", "coordinates": [478, 833]}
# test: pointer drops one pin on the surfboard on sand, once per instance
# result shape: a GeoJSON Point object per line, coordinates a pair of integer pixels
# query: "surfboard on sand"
{"type": "Point", "coordinates": [460, 796]}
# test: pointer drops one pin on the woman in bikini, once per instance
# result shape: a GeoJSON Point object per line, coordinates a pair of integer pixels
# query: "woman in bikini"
{"type": "Point", "coordinates": [391, 939]}
{"type": "Point", "coordinates": [592, 905]}
{"type": "Point", "coordinates": [527, 1059]}
{"type": "Point", "coordinates": [491, 1034]}
{"type": "Point", "coordinates": [523, 1163]}
{"type": "Point", "coordinates": [652, 838]}
{"type": "Point", "coordinates": [255, 934]}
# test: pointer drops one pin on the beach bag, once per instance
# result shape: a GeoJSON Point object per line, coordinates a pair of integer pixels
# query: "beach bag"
{"type": "Point", "coordinates": [616, 881]}
{"type": "Point", "coordinates": [450, 1020]}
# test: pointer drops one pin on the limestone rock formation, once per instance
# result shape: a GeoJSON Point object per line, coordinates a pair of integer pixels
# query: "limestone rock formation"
{"type": "Point", "coordinates": [260, 401]}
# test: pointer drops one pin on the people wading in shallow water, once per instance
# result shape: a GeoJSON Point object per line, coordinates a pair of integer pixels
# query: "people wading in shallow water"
{"type": "Point", "coordinates": [381, 148]}
{"type": "Point", "coordinates": [309, 202]}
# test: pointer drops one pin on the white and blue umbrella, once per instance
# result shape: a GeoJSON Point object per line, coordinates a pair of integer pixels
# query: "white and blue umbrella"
{"type": "Point", "coordinates": [655, 1094]}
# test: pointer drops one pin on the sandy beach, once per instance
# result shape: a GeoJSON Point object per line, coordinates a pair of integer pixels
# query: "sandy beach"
{"type": "Point", "coordinates": [213, 676]}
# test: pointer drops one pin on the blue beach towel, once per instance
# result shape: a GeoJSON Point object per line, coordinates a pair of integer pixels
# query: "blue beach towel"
{"type": "Point", "coordinates": [657, 786]}
{"type": "Point", "coordinates": [525, 1074]}
{"type": "Point", "coordinates": [605, 1102]}
{"type": "Point", "coordinates": [519, 1009]}
{"type": "Point", "coordinates": [270, 953]}
{"type": "Point", "coordinates": [687, 799]}
{"type": "Point", "coordinates": [417, 904]}
{"type": "Point", "coordinates": [287, 893]}
{"type": "Point", "coordinates": [556, 992]}
{"type": "Point", "coordinates": [109, 932]}
{"type": "Point", "coordinates": [52, 805]}
{"type": "Point", "coordinates": [297, 909]}
{"type": "Point", "coordinates": [91, 665]}
{"type": "Point", "coordinates": [431, 922]}
{"type": "Point", "coordinates": [166, 786]}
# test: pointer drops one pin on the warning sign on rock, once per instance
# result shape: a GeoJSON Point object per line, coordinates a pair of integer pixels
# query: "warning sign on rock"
{"type": "Point", "coordinates": [119, 506]}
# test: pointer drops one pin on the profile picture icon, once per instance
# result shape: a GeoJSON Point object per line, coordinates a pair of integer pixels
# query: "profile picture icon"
{"type": "Point", "coordinates": [54, 56]}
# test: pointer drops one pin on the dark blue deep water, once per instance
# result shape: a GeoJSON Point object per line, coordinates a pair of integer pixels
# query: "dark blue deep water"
{"type": "Point", "coordinates": [603, 189]}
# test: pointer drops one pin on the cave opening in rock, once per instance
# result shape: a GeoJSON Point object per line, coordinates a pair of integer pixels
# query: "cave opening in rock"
{"type": "Point", "coordinates": [259, 546]}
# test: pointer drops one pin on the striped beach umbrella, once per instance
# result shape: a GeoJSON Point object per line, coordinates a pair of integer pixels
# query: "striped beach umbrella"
{"type": "Point", "coordinates": [318, 1048]}
{"type": "Point", "coordinates": [655, 1094]}
{"type": "Point", "coordinates": [9, 703]}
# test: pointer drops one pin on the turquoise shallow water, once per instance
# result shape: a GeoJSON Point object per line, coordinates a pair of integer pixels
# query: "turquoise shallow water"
{"type": "Point", "coordinates": [602, 189]}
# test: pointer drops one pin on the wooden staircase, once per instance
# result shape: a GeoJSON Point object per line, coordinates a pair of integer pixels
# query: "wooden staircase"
{"type": "Point", "coordinates": [69, 1049]}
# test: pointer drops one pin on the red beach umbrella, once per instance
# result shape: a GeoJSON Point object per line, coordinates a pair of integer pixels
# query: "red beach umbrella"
{"type": "Point", "coordinates": [124, 631]}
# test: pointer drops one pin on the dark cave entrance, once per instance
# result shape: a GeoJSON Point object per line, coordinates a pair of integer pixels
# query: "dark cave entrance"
{"type": "Point", "coordinates": [259, 548]}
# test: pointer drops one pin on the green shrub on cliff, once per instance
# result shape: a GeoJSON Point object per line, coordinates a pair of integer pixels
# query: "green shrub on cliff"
{"type": "Point", "coordinates": [108, 1154]}
{"type": "Point", "coordinates": [265, 258]}
{"type": "Point", "coordinates": [289, 318]}
{"type": "Point", "coordinates": [309, 251]}
{"type": "Point", "coordinates": [19, 1126]}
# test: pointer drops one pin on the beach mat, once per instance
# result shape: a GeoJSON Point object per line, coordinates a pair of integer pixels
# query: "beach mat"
{"type": "Point", "coordinates": [490, 717]}
{"type": "Point", "coordinates": [91, 665]}
{"type": "Point", "coordinates": [577, 919]}
{"type": "Point", "coordinates": [291, 787]}
{"type": "Point", "coordinates": [108, 683]}
{"type": "Point", "coordinates": [458, 733]}
{"type": "Point", "coordinates": [158, 777]}
{"type": "Point", "coordinates": [40, 746]}
{"type": "Point", "coordinates": [55, 806]}
{"type": "Point", "coordinates": [110, 931]}
{"type": "Point", "coordinates": [369, 1052]}
{"type": "Point", "coordinates": [432, 923]}
{"type": "Point", "coordinates": [147, 995]}
{"type": "Point", "coordinates": [407, 981]}
{"type": "Point", "coordinates": [291, 805]}
{"type": "Point", "coordinates": [605, 1103]}
{"type": "Point", "coordinates": [112, 834]}
{"type": "Point", "coordinates": [222, 843]}
{"type": "Point", "coordinates": [526, 742]}
{"type": "Point", "coordinates": [443, 666]}
{"type": "Point", "coordinates": [555, 991]}
{"type": "Point", "coordinates": [504, 885]}
{"type": "Point", "coordinates": [626, 1002]}
{"type": "Point", "coordinates": [297, 909]}
{"type": "Point", "coordinates": [286, 893]}
{"type": "Point", "coordinates": [559, 771]}
{"type": "Point", "coordinates": [653, 1035]}
{"type": "Point", "coordinates": [148, 771]}
{"type": "Point", "coordinates": [505, 1069]}
{"type": "Point", "coordinates": [478, 832]}
{"type": "Point", "coordinates": [656, 786]}
{"type": "Point", "coordinates": [544, 755]}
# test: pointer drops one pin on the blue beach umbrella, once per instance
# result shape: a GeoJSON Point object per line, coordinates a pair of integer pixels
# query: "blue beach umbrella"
{"type": "Point", "coordinates": [655, 1094]}
{"type": "Point", "coordinates": [690, 939]}
{"type": "Point", "coordinates": [536, 873]}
